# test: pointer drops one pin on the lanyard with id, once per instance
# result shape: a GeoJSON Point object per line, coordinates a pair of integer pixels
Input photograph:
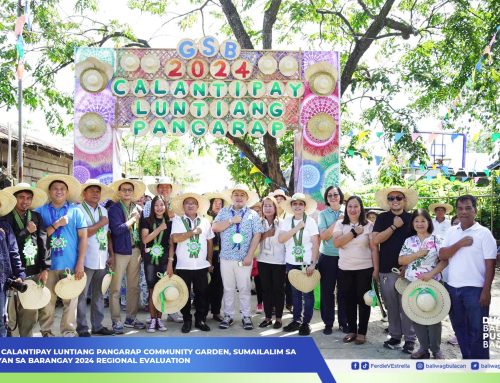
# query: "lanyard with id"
{"type": "Point", "coordinates": [237, 237]}
{"type": "Point", "coordinates": [57, 241]}
{"type": "Point", "coordinates": [30, 250]}
{"type": "Point", "coordinates": [101, 235]}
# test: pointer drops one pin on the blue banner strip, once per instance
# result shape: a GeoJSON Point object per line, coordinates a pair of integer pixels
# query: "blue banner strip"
{"type": "Point", "coordinates": [163, 355]}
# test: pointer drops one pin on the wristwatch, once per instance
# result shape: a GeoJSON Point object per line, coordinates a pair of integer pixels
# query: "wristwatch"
{"type": "Point", "coordinates": [354, 233]}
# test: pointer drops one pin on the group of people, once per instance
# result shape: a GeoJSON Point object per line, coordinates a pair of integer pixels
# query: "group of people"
{"type": "Point", "coordinates": [211, 242]}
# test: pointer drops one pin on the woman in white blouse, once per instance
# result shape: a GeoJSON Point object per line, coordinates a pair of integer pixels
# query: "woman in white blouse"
{"type": "Point", "coordinates": [358, 264]}
{"type": "Point", "coordinates": [271, 264]}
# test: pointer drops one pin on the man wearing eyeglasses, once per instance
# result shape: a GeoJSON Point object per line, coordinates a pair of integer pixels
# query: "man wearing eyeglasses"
{"type": "Point", "coordinates": [391, 229]}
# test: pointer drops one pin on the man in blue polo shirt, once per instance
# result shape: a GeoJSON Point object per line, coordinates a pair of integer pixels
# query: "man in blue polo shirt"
{"type": "Point", "coordinates": [67, 237]}
{"type": "Point", "coordinates": [240, 229]}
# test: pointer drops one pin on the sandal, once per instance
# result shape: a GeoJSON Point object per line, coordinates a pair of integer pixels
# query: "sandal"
{"type": "Point", "coordinates": [265, 323]}
{"type": "Point", "coordinates": [360, 339]}
{"type": "Point", "coordinates": [349, 338]}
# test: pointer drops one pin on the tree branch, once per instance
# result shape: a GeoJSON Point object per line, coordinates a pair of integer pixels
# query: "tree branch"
{"type": "Point", "coordinates": [269, 20]}
{"type": "Point", "coordinates": [366, 9]}
{"type": "Point", "coordinates": [234, 20]}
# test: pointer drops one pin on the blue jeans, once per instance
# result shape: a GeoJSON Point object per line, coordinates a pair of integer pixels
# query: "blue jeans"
{"type": "Point", "coordinates": [297, 297]}
{"type": "Point", "coordinates": [328, 266]}
{"type": "Point", "coordinates": [3, 312]}
{"type": "Point", "coordinates": [467, 318]}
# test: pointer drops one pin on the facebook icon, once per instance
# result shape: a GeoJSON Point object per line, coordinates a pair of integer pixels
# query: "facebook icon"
{"type": "Point", "coordinates": [355, 365]}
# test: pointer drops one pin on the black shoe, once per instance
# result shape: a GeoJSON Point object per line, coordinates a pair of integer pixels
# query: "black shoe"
{"type": "Point", "coordinates": [344, 328]}
{"type": "Point", "coordinates": [103, 331]}
{"type": "Point", "coordinates": [217, 317]}
{"type": "Point", "coordinates": [327, 330]}
{"type": "Point", "coordinates": [304, 329]}
{"type": "Point", "coordinates": [392, 343]}
{"type": "Point", "coordinates": [291, 327]}
{"type": "Point", "coordinates": [186, 327]}
{"type": "Point", "coordinates": [289, 308]}
{"type": "Point", "coordinates": [265, 323]}
{"type": "Point", "coordinates": [202, 326]}
{"type": "Point", "coordinates": [408, 347]}
{"type": "Point", "coordinates": [277, 324]}
{"type": "Point", "coordinates": [84, 334]}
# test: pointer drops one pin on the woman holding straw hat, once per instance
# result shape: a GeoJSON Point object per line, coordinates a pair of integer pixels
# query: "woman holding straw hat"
{"type": "Point", "coordinates": [271, 264]}
{"type": "Point", "coordinates": [420, 253]}
{"type": "Point", "coordinates": [328, 264]}
{"type": "Point", "coordinates": [358, 264]}
{"type": "Point", "coordinates": [155, 233]}
{"type": "Point", "coordinates": [300, 235]}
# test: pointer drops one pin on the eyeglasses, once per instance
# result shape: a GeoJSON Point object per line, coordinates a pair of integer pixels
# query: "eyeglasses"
{"type": "Point", "coordinates": [397, 198]}
{"type": "Point", "coordinates": [333, 195]}
{"type": "Point", "coordinates": [127, 190]}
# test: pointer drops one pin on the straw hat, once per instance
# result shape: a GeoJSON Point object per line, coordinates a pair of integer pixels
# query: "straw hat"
{"type": "Point", "coordinates": [370, 298]}
{"type": "Point", "coordinates": [94, 74]}
{"type": "Point", "coordinates": [106, 281]}
{"type": "Point", "coordinates": [288, 66]}
{"type": "Point", "coordinates": [39, 196]}
{"type": "Point", "coordinates": [401, 285]}
{"type": "Point", "coordinates": [176, 188]}
{"type": "Point", "coordinates": [225, 201]}
{"type": "Point", "coordinates": [106, 192]}
{"type": "Point", "coordinates": [203, 203]}
{"type": "Point", "coordinates": [446, 206]}
{"type": "Point", "coordinates": [279, 192]}
{"type": "Point", "coordinates": [267, 64]}
{"type": "Point", "coordinates": [37, 296]}
{"type": "Point", "coordinates": [410, 194]}
{"type": "Point", "coordinates": [91, 125]}
{"type": "Point", "coordinates": [321, 126]}
{"type": "Point", "coordinates": [311, 204]}
{"type": "Point", "coordinates": [139, 188]}
{"type": "Point", "coordinates": [7, 203]}
{"type": "Point", "coordinates": [253, 197]}
{"type": "Point", "coordinates": [302, 282]}
{"type": "Point", "coordinates": [150, 63]}
{"type": "Point", "coordinates": [70, 181]}
{"type": "Point", "coordinates": [322, 78]}
{"type": "Point", "coordinates": [69, 287]}
{"type": "Point", "coordinates": [130, 62]}
{"type": "Point", "coordinates": [175, 294]}
{"type": "Point", "coordinates": [426, 303]}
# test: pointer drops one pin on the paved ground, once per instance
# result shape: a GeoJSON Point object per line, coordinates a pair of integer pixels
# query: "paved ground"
{"type": "Point", "coordinates": [331, 346]}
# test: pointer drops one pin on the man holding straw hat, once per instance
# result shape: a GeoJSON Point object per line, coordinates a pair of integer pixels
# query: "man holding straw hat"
{"type": "Point", "coordinates": [67, 235]}
{"type": "Point", "coordinates": [11, 267]}
{"type": "Point", "coordinates": [27, 227]}
{"type": "Point", "coordinates": [240, 229]}
{"type": "Point", "coordinates": [193, 235]}
{"type": "Point", "coordinates": [124, 226]}
{"type": "Point", "coordinates": [96, 257]}
{"type": "Point", "coordinates": [391, 229]}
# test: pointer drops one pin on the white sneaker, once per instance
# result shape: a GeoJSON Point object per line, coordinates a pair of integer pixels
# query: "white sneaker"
{"type": "Point", "coordinates": [160, 326]}
{"type": "Point", "coordinates": [151, 326]}
{"type": "Point", "coordinates": [176, 317]}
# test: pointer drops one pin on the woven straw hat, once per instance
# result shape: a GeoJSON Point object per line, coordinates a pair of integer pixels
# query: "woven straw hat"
{"type": "Point", "coordinates": [426, 303]}
{"type": "Point", "coordinates": [178, 201]}
{"type": "Point", "coordinates": [70, 181]}
{"type": "Point", "coordinates": [210, 196]}
{"type": "Point", "coordinates": [150, 63]}
{"type": "Point", "coordinates": [267, 64]}
{"type": "Point", "coordinates": [139, 188]}
{"type": "Point", "coordinates": [410, 194]}
{"type": "Point", "coordinates": [7, 203]}
{"type": "Point", "coordinates": [37, 296]}
{"type": "Point", "coordinates": [69, 287]}
{"type": "Point", "coordinates": [288, 66]}
{"type": "Point", "coordinates": [106, 282]}
{"type": "Point", "coordinates": [94, 74]}
{"type": "Point", "coordinates": [401, 285]}
{"type": "Point", "coordinates": [311, 204]}
{"type": "Point", "coordinates": [175, 294]}
{"type": "Point", "coordinates": [253, 197]}
{"type": "Point", "coordinates": [130, 62]}
{"type": "Point", "coordinates": [302, 282]}
{"type": "Point", "coordinates": [91, 125]}
{"type": "Point", "coordinates": [322, 78]}
{"type": "Point", "coordinates": [370, 298]}
{"type": "Point", "coordinates": [106, 192]}
{"type": "Point", "coordinates": [39, 196]}
{"type": "Point", "coordinates": [446, 206]}
{"type": "Point", "coordinates": [153, 188]}
{"type": "Point", "coordinates": [321, 126]}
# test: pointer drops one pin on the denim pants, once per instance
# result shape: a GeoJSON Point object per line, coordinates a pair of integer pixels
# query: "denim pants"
{"type": "Point", "coordinates": [467, 318]}
{"type": "Point", "coordinates": [3, 301]}
{"type": "Point", "coordinates": [297, 301]}
{"type": "Point", "coordinates": [328, 266]}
